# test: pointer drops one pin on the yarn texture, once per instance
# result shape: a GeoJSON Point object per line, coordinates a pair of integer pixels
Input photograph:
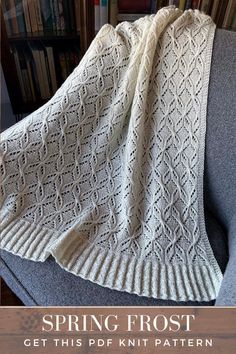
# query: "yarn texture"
{"type": "Point", "coordinates": [107, 176]}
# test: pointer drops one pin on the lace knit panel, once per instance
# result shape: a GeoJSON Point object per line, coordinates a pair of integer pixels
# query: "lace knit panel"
{"type": "Point", "coordinates": [112, 165]}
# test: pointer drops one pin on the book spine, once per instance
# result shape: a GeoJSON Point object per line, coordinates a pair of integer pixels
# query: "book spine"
{"type": "Point", "coordinates": [25, 77]}
{"type": "Point", "coordinates": [32, 15]}
{"type": "Point", "coordinates": [66, 16]}
{"type": "Point", "coordinates": [181, 4]}
{"type": "Point", "coordinates": [26, 84]}
{"type": "Point", "coordinates": [103, 12]}
{"type": "Point", "coordinates": [34, 72]}
{"type": "Point", "coordinates": [44, 73]}
{"type": "Point", "coordinates": [35, 53]}
{"type": "Point", "coordinates": [233, 24]}
{"type": "Point", "coordinates": [13, 17]}
{"type": "Point", "coordinates": [54, 24]}
{"type": "Point", "coordinates": [29, 71]}
{"type": "Point", "coordinates": [113, 12]}
{"type": "Point", "coordinates": [196, 4]}
{"type": "Point", "coordinates": [61, 15]}
{"type": "Point", "coordinates": [18, 70]}
{"type": "Point", "coordinates": [97, 15]}
{"type": "Point", "coordinates": [205, 6]}
{"type": "Point", "coordinates": [5, 8]}
{"type": "Point", "coordinates": [76, 54]}
{"type": "Point", "coordinates": [20, 16]}
{"type": "Point", "coordinates": [38, 15]}
{"type": "Point", "coordinates": [176, 3]}
{"type": "Point", "coordinates": [52, 71]}
{"type": "Point", "coordinates": [46, 13]}
{"type": "Point", "coordinates": [56, 15]}
{"type": "Point", "coordinates": [62, 61]}
{"type": "Point", "coordinates": [230, 11]}
{"type": "Point", "coordinates": [141, 6]}
{"type": "Point", "coordinates": [153, 6]}
{"type": "Point", "coordinates": [27, 17]}
{"type": "Point", "coordinates": [77, 16]}
{"type": "Point", "coordinates": [68, 63]}
{"type": "Point", "coordinates": [214, 9]}
{"type": "Point", "coordinates": [188, 4]}
{"type": "Point", "coordinates": [71, 8]}
{"type": "Point", "coordinates": [221, 13]}
{"type": "Point", "coordinates": [171, 2]}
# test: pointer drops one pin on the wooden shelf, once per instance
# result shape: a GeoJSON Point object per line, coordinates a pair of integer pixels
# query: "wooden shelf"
{"type": "Point", "coordinates": [44, 36]}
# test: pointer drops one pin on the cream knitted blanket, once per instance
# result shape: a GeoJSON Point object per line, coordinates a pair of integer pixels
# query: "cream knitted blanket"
{"type": "Point", "coordinates": [108, 175]}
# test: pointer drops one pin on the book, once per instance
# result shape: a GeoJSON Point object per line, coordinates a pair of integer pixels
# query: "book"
{"type": "Point", "coordinates": [20, 16]}
{"type": "Point", "coordinates": [214, 9]}
{"type": "Point", "coordinates": [32, 72]}
{"type": "Point", "coordinates": [6, 15]}
{"type": "Point", "coordinates": [103, 12]}
{"type": "Point", "coordinates": [30, 58]}
{"type": "Point", "coordinates": [38, 15]}
{"type": "Point", "coordinates": [72, 20]}
{"type": "Point", "coordinates": [56, 17]}
{"type": "Point", "coordinates": [221, 13]}
{"type": "Point", "coordinates": [39, 71]}
{"type": "Point", "coordinates": [153, 6]}
{"type": "Point", "coordinates": [24, 74]}
{"type": "Point", "coordinates": [54, 24]}
{"type": "Point", "coordinates": [113, 12]}
{"type": "Point", "coordinates": [19, 74]}
{"type": "Point", "coordinates": [29, 64]}
{"type": "Point", "coordinates": [12, 16]}
{"type": "Point", "coordinates": [229, 14]}
{"type": "Point", "coordinates": [45, 78]}
{"type": "Point", "coordinates": [96, 15]}
{"type": "Point", "coordinates": [32, 15]}
{"type": "Point", "coordinates": [233, 24]}
{"type": "Point", "coordinates": [196, 4]}
{"type": "Point", "coordinates": [188, 4]}
{"type": "Point", "coordinates": [181, 4]}
{"type": "Point", "coordinates": [77, 16]}
{"type": "Point", "coordinates": [62, 61]}
{"type": "Point", "coordinates": [51, 65]}
{"type": "Point", "coordinates": [47, 16]}
{"type": "Point", "coordinates": [66, 14]}
{"type": "Point", "coordinates": [127, 6]}
{"type": "Point", "coordinates": [61, 15]}
{"type": "Point", "coordinates": [205, 6]}
{"type": "Point", "coordinates": [162, 3]}
{"type": "Point", "coordinates": [26, 16]}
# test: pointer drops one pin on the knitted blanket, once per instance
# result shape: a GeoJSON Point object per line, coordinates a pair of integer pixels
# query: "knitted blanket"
{"type": "Point", "coordinates": [107, 177]}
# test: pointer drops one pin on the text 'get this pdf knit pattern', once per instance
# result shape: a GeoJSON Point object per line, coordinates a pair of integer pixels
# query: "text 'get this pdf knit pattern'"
{"type": "Point", "coordinates": [108, 175]}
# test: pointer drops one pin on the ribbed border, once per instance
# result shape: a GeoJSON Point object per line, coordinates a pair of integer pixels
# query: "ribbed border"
{"type": "Point", "coordinates": [26, 240]}
{"type": "Point", "coordinates": [116, 271]}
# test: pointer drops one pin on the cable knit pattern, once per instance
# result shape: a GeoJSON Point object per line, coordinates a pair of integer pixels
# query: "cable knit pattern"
{"type": "Point", "coordinates": [108, 175]}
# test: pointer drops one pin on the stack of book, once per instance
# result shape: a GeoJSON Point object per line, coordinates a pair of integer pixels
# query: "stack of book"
{"type": "Point", "coordinates": [223, 12]}
{"type": "Point", "coordinates": [42, 68]}
{"type": "Point", "coordinates": [35, 16]}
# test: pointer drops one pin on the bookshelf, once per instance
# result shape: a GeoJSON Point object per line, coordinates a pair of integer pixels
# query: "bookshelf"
{"type": "Point", "coordinates": [223, 12]}
{"type": "Point", "coordinates": [43, 40]}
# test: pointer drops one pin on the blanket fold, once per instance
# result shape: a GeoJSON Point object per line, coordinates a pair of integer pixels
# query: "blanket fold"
{"type": "Point", "coordinates": [107, 177]}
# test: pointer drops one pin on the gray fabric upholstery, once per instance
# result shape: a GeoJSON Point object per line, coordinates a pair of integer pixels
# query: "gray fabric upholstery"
{"type": "Point", "coordinates": [47, 284]}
